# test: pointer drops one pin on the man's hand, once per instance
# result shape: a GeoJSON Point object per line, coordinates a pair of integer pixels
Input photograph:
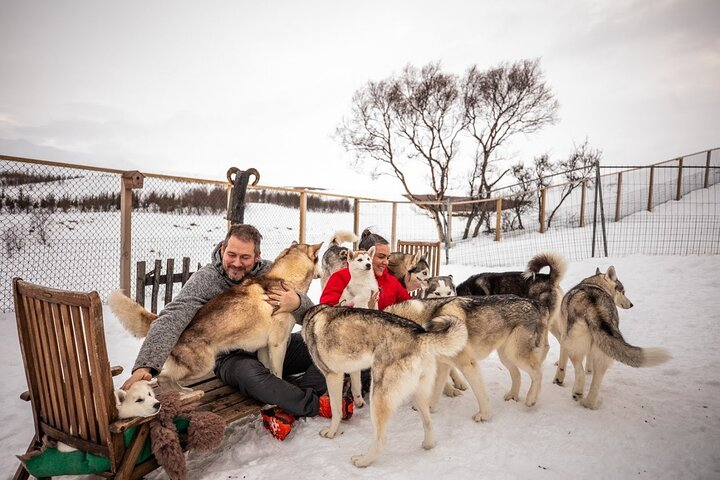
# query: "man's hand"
{"type": "Point", "coordinates": [283, 299]}
{"type": "Point", "coordinates": [139, 374]}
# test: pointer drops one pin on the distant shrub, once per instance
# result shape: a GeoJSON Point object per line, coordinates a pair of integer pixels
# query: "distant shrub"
{"type": "Point", "coordinates": [13, 239]}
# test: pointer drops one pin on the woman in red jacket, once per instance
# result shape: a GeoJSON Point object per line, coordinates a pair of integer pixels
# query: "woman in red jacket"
{"type": "Point", "coordinates": [391, 290]}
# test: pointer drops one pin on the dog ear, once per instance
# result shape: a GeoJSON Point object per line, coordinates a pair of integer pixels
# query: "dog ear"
{"type": "Point", "coordinates": [371, 252]}
{"type": "Point", "coordinates": [120, 397]}
{"type": "Point", "coordinates": [611, 273]}
{"type": "Point", "coordinates": [416, 258]}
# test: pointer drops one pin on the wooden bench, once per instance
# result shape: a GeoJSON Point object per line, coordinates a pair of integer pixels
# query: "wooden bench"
{"type": "Point", "coordinates": [69, 378]}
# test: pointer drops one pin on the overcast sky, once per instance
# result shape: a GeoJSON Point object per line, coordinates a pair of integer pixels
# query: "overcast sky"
{"type": "Point", "coordinates": [192, 88]}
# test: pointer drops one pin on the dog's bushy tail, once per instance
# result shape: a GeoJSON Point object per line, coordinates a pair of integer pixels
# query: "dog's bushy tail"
{"type": "Point", "coordinates": [132, 316]}
{"type": "Point", "coordinates": [557, 264]}
{"type": "Point", "coordinates": [444, 335]}
{"type": "Point", "coordinates": [342, 236]}
{"type": "Point", "coordinates": [611, 342]}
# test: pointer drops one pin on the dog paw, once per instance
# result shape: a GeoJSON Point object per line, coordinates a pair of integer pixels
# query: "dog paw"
{"type": "Point", "coordinates": [359, 402]}
{"type": "Point", "coordinates": [327, 433]}
{"type": "Point", "coordinates": [361, 461]}
{"type": "Point", "coordinates": [450, 391]}
{"type": "Point", "coordinates": [530, 403]}
{"type": "Point", "coordinates": [429, 444]}
{"type": "Point", "coordinates": [512, 396]}
{"type": "Point", "coordinates": [460, 385]}
{"type": "Point", "coordinates": [482, 417]}
{"type": "Point", "coordinates": [588, 404]}
{"type": "Point", "coordinates": [558, 381]}
{"type": "Point", "coordinates": [577, 396]}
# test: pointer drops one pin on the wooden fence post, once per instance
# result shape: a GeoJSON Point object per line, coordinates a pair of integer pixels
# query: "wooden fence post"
{"type": "Point", "coordinates": [707, 169]}
{"type": "Point", "coordinates": [303, 214]}
{"type": "Point", "coordinates": [448, 239]}
{"type": "Point", "coordinates": [650, 188]}
{"type": "Point", "coordinates": [678, 194]}
{"type": "Point", "coordinates": [618, 196]}
{"type": "Point", "coordinates": [543, 198]}
{"type": "Point", "coordinates": [356, 220]}
{"type": "Point", "coordinates": [498, 218]}
{"type": "Point", "coordinates": [582, 202]}
{"type": "Point", "coordinates": [393, 228]}
{"type": "Point", "coordinates": [129, 181]}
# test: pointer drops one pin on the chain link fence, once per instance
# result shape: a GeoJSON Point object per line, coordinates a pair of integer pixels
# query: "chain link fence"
{"type": "Point", "coordinates": [60, 224]}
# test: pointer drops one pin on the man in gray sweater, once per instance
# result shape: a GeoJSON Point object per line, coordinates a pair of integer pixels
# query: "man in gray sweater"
{"type": "Point", "coordinates": [236, 258]}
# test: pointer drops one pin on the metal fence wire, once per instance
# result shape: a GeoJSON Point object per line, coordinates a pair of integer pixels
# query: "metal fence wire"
{"type": "Point", "coordinates": [60, 224]}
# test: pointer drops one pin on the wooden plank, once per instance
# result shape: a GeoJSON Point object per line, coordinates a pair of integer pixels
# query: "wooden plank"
{"type": "Point", "coordinates": [155, 286]}
{"type": "Point", "coordinates": [140, 284]}
{"type": "Point", "coordinates": [185, 271]}
{"type": "Point", "coordinates": [169, 268]}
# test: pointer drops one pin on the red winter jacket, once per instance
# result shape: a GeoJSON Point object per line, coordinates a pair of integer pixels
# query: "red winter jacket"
{"type": "Point", "coordinates": [391, 290]}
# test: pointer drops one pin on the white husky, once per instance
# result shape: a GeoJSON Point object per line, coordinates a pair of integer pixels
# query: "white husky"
{"type": "Point", "coordinates": [362, 285]}
{"type": "Point", "coordinates": [138, 401]}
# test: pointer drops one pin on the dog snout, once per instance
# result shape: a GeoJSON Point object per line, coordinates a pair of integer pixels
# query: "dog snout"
{"type": "Point", "coordinates": [368, 266]}
{"type": "Point", "coordinates": [156, 405]}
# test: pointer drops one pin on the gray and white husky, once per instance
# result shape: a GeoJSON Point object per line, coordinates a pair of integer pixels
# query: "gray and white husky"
{"type": "Point", "coordinates": [402, 355]}
{"type": "Point", "coordinates": [335, 257]}
{"type": "Point", "coordinates": [515, 327]}
{"type": "Point", "coordinates": [589, 326]}
{"type": "Point", "coordinates": [437, 287]}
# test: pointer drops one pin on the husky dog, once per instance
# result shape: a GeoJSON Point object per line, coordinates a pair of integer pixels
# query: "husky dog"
{"type": "Point", "coordinates": [590, 327]}
{"type": "Point", "coordinates": [238, 318]}
{"type": "Point", "coordinates": [543, 287]}
{"type": "Point", "coordinates": [138, 401]}
{"type": "Point", "coordinates": [440, 286]}
{"type": "Point", "coordinates": [516, 327]}
{"type": "Point", "coordinates": [363, 284]}
{"type": "Point", "coordinates": [410, 269]}
{"type": "Point", "coordinates": [400, 352]}
{"type": "Point", "coordinates": [335, 257]}
{"type": "Point", "coordinates": [443, 286]}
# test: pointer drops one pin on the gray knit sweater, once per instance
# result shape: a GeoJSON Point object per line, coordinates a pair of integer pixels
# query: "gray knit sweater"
{"type": "Point", "coordinates": [206, 283]}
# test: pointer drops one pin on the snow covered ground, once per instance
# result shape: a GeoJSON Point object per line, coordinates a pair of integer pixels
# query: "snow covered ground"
{"type": "Point", "coordinates": [656, 423]}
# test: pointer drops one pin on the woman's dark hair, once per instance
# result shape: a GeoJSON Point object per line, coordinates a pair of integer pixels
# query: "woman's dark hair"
{"type": "Point", "coordinates": [244, 232]}
{"type": "Point", "coordinates": [369, 239]}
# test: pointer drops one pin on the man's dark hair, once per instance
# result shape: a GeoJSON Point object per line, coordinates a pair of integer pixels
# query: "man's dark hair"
{"type": "Point", "coordinates": [244, 232]}
{"type": "Point", "coordinates": [369, 239]}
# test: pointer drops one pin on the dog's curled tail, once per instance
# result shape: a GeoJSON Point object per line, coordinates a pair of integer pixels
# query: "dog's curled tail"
{"type": "Point", "coordinates": [444, 335]}
{"type": "Point", "coordinates": [342, 236]}
{"type": "Point", "coordinates": [555, 261]}
{"type": "Point", "coordinates": [132, 316]}
{"type": "Point", "coordinates": [611, 342]}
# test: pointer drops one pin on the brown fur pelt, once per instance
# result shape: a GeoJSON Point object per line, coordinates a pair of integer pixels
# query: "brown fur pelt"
{"type": "Point", "coordinates": [205, 432]}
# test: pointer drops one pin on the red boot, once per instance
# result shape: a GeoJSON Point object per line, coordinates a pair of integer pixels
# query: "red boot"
{"type": "Point", "coordinates": [278, 422]}
{"type": "Point", "coordinates": [347, 407]}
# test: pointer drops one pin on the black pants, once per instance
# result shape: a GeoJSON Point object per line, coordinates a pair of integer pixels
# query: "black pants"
{"type": "Point", "coordinates": [297, 395]}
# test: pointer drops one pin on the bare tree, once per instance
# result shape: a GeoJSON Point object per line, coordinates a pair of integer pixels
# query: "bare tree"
{"type": "Point", "coordinates": [405, 121]}
{"type": "Point", "coordinates": [500, 103]}
{"type": "Point", "coordinates": [579, 166]}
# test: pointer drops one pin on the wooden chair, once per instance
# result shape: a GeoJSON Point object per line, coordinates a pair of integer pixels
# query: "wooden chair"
{"type": "Point", "coordinates": [70, 380]}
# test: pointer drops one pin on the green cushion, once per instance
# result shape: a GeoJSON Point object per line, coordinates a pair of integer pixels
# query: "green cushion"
{"type": "Point", "coordinates": [52, 462]}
